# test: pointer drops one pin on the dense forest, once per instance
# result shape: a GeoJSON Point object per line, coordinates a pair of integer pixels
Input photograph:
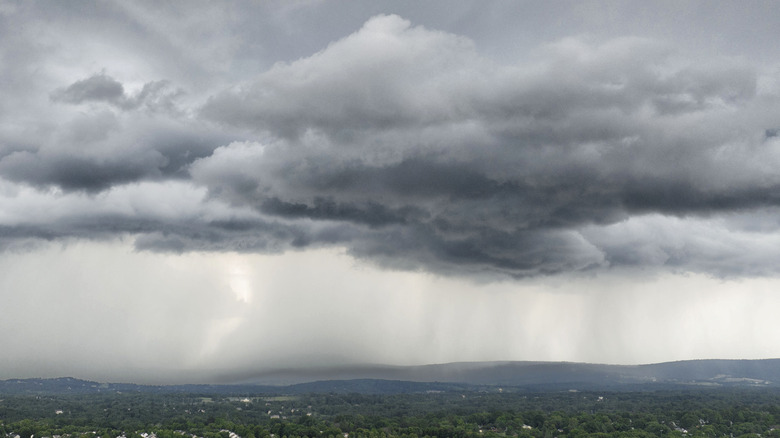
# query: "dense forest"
{"type": "Point", "coordinates": [711, 412]}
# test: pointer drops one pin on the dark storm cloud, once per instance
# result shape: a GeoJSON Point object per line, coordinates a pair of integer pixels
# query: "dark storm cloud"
{"type": "Point", "coordinates": [371, 213]}
{"type": "Point", "coordinates": [123, 160]}
{"type": "Point", "coordinates": [164, 234]}
{"type": "Point", "coordinates": [117, 139]}
{"type": "Point", "coordinates": [502, 167]}
{"type": "Point", "coordinates": [409, 148]}
{"type": "Point", "coordinates": [79, 173]}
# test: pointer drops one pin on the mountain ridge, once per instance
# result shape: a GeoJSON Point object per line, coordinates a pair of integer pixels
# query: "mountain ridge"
{"type": "Point", "coordinates": [514, 375]}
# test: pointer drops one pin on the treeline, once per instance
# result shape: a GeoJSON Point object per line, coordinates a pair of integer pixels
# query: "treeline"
{"type": "Point", "coordinates": [693, 413]}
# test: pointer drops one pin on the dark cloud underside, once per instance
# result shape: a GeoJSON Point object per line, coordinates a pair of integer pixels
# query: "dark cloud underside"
{"type": "Point", "coordinates": [411, 149]}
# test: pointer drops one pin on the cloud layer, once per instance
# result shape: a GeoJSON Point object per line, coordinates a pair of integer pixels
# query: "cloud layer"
{"type": "Point", "coordinates": [409, 148]}
{"type": "Point", "coordinates": [199, 191]}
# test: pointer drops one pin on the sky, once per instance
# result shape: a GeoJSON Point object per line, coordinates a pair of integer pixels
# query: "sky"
{"type": "Point", "coordinates": [203, 191]}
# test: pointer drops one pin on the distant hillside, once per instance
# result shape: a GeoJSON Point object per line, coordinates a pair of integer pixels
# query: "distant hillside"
{"type": "Point", "coordinates": [69, 385]}
{"type": "Point", "coordinates": [525, 374]}
{"type": "Point", "coordinates": [468, 376]}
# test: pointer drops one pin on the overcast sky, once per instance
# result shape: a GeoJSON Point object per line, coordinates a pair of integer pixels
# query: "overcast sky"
{"type": "Point", "coordinates": [194, 191]}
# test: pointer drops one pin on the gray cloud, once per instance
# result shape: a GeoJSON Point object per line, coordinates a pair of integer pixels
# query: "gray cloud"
{"type": "Point", "coordinates": [96, 88]}
{"type": "Point", "coordinates": [124, 139]}
{"type": "Point", "coordinates": [452, 162]}
{"type": "Point", "coordinates": [154, 96]}
{"type": "Point", "coordinates": [79, 173]}
{"type": "Point", "coordinates": [410, 148]}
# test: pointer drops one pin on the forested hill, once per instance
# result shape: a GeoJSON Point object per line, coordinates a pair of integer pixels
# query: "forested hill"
{"type": "Point", "coordinates": [541, 376]}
